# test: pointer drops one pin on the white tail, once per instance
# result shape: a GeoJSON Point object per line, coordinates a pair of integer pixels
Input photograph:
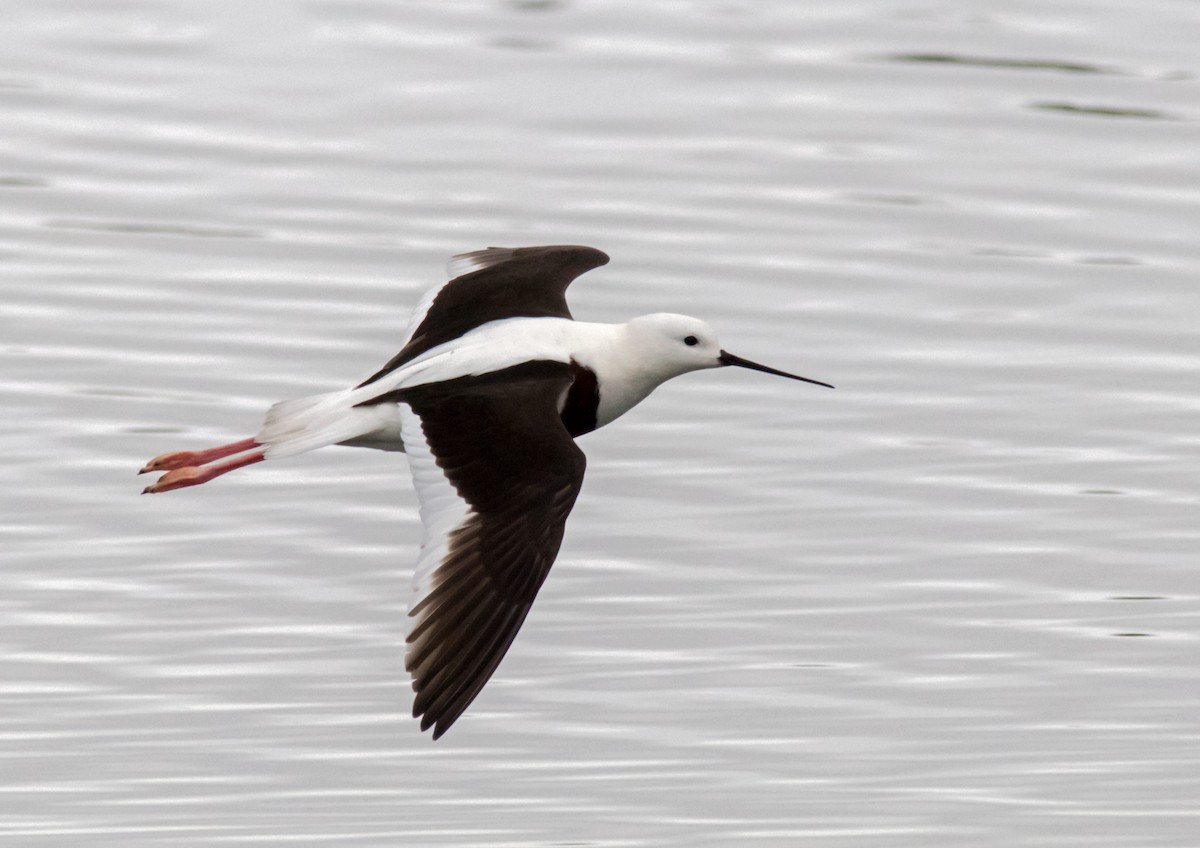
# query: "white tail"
{"type": "Point", "coordinates": [304, 424]}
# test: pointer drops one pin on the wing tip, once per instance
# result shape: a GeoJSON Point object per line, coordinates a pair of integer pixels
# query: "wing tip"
{"type": "Point", "coordinates": [440, 720]}
{"type": "Point", "coordinates": [462, 264]}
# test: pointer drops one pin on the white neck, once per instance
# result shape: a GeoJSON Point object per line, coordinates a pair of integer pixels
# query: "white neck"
{"type": "Point", "coordinates": [627, 374]}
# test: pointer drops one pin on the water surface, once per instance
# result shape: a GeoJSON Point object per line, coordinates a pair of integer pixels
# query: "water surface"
{"type": "Point", "coordinates": [952, 603]}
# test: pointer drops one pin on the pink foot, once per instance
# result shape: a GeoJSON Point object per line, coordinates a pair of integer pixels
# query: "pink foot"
{"type": "Point", "coordinates": [179, 478]}
{"type": "Point", "coordinates": [184, 459]}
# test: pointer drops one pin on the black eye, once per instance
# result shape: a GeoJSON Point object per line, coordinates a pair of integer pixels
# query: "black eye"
{"type": "Point", "coordinates": [691, 341]}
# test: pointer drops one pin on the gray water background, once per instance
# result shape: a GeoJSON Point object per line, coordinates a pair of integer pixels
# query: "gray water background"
{"type": "Point", "coordinates": [952, 603]}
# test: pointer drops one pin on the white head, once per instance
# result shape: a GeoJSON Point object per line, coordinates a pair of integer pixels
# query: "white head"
{"type": "Point", "coordinates": [670, 345]}
{"type": "Point", "coordinates": [652, 349]}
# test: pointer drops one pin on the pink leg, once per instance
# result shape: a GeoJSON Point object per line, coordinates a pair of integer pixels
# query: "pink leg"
{"type": "Point", "coordinates": [192, 476]}
{"type": "Point", "coordinates": [184, 459]}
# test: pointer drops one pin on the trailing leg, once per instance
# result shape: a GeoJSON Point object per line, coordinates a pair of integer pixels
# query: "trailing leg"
{"type": "Point", "coordinates": [191, 475]}
{"type": "Point", "coordinates": [184, 459]}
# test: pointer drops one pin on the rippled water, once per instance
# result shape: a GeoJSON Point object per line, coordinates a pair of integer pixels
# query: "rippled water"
{"type": "Point", "coordinates": [952, 603]}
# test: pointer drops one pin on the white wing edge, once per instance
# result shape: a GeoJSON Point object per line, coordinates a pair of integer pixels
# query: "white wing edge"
{"type": "Point", "coordinates": [420, 311]}
{"type": "Point", "coordinates": [442, 509]}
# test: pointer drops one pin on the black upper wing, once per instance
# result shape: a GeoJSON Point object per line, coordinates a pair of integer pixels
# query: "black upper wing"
{"type": "Point", "coordinates": [515, 472]}
{"type": "Point", "coordinates": [522, 282]}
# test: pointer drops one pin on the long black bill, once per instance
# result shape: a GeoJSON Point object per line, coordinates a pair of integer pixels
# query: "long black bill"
{"type": "Point", "coordinates": [727, 358]}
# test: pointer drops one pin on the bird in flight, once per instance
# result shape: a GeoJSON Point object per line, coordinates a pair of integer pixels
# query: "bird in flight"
{"type": "Point", "coordinates": [493, 383]}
